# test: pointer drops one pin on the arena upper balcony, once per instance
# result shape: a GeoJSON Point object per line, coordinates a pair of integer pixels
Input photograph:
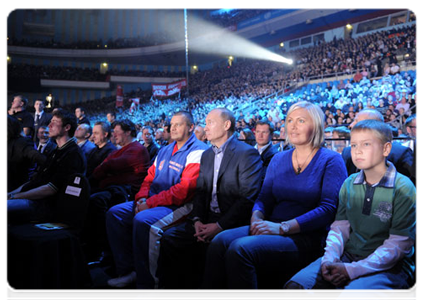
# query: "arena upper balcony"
{"type": "Point", "coordinates": [266, 28]}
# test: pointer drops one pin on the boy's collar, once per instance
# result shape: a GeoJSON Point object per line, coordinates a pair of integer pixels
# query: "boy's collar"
{"type": "Point", "coordinates": [387, 181]}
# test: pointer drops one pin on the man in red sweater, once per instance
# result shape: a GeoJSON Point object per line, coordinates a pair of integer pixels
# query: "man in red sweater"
{"type": "Point", "coordinates": [118, 178]}
{"type": "Point", "coordinates": [134, 229]}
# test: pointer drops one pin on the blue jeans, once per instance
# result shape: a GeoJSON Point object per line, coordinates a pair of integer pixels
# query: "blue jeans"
{"type": "Point", "coordinates": [24, 210]}
{"type": "Point", "coordinates": [235, 258]}
{"type": "Point", "coordinates": [311, 278]}
{"type": "Point", "coordinates": [135, 240]}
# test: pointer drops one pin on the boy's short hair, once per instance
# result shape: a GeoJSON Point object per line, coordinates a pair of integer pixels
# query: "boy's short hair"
{"type": "Point", "coordinates": [382, 131]}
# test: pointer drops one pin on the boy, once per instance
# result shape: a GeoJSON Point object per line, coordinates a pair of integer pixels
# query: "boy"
{"type": "Point", "coordinates": [370, 243]}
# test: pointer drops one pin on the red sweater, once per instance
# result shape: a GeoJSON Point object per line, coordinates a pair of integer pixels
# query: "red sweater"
{"type": "Point", "coordinates": [127, 165]}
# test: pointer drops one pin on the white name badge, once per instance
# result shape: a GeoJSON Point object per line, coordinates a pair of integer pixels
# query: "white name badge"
{"type": "Point", "coordinates": [74, 191]}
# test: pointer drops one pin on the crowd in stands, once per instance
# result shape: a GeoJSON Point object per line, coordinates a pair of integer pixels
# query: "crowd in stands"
{"type": "Point", "coordinates": [136, 196]}
{"type": "Point", "coordinates": [141, 184]}
{"type": "Point", "coordinates": [365, 53]}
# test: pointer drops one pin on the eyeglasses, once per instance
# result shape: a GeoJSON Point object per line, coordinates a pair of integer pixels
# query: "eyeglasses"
{"type": "Point", "coordinates": [412, 126]}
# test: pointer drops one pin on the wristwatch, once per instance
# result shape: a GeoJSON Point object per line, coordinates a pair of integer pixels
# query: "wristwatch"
{"type": "Point", "coordinates": [284, 228]}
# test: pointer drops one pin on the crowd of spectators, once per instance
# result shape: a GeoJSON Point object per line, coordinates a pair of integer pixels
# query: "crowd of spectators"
{"type": "Point", "coordinates": [250, 89]}
{"type": "Point", "coordinates": [369, 54]}
{"type": "Point", "coordinates": [247, 85]}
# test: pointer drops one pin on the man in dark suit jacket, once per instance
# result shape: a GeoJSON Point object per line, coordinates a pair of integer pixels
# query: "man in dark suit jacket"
{"type": "Point", "coordinates": [101, 138]}
{"type": "Point", "coordinates": [41, 118]}
{"type": "Point", "coordinates": [263, 133]}
{"type": "Point", "coordinates": [80, 115]}
{"type": "Point", "coordinates": [400, 156]}
{"type": "Point", "coordinates": [45, 144]}
{"type": "Point", "coordinates": [228, 184]}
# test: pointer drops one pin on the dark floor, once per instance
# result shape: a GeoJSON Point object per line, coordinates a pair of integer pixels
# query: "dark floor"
{"type": "Point", "coordinates": [100, 290]}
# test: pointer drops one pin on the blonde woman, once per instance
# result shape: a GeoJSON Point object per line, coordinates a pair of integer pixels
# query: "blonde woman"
{"type": "Point", "coordinates": [290, 217]}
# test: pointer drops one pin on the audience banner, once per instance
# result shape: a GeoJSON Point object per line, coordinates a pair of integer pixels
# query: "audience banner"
{"type": "Point", "coordinates": [119, 96]}
{"type": "Point", "coordinates": [168, 89]}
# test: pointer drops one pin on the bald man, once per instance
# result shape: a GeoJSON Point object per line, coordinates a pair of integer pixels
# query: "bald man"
{"type": "Point", "coordinates": [400, 156]}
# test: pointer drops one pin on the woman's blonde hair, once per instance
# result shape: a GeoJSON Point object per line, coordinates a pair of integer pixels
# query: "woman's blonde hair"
{"type": "Point", "coordinates": [318, 118]}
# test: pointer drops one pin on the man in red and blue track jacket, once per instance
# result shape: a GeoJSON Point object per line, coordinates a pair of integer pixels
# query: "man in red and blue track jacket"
{"type": "Point", "coordinates": [135, 228]}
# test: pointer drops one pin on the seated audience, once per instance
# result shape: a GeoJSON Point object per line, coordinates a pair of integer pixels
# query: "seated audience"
{"type": "Point", "coordinates": [147, 139]}
{"type": "Point", "coordinates": [341, 132]}
{"type": "Point", "coordinates": [164, 198]}
{"type": "Point", "coordinates": [80, 115]}
{"type": "Point", "coordinates": [103, 147]}
{"type": "Point", "coordinates": [200, 133]}
{"type": "Point", "coordinates": [229, 181]}
{"type": "Point", "coordinates": [19, 111]}
{"type": "Point", "coordinates": [34, 200]}
{"type": "Point", "coordinates": [370, 243]}
{"type": "Point", "coordinates": [159, 137]}
{"type": "Point", "coordinates": [263, 135]}
{"type": "Point", "coordinates": [247, 136]}
{"type": "Point", "coordinates": [400, 156]}
{"type": "Point", "coordinates": [21, 155]}
{"type": "Point", "coordinates": [41, 118]}
{"type": "Point", "coordinates": [45, 144]}
{"type": "Point", "coordinates": [82, 135]}
{"type": "Point", "coordinates": [288, 223]}
{"type": "Point", "coordinates": [283, 145]}
{"type": "Point", "coordinates": [117, 178]}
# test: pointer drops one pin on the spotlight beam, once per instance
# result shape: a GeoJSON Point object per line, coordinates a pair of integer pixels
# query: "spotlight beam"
{"type": "Point", "coordinates": [212, 39]}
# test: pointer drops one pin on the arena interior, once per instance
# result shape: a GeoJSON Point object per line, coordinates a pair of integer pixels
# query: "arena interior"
{"type": "Point", "coordinates": [141, 67]}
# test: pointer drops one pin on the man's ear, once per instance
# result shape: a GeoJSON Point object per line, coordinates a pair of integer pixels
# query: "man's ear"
{"type": "Point", "coordinates": [227, 125]}
{"type": "Point", "coordinates": [67, 127]}
{"type": "Point", "coordinates": [191, 129]}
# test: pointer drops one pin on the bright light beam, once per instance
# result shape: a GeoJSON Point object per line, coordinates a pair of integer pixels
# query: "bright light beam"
{"type": "Point", "coordinates": [211, 39]}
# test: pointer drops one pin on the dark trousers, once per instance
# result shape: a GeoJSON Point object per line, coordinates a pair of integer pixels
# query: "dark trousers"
{"type": "Point", "coordinates": [94, 234]}
{"type": "Point", "coordinates": [182, 258]}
